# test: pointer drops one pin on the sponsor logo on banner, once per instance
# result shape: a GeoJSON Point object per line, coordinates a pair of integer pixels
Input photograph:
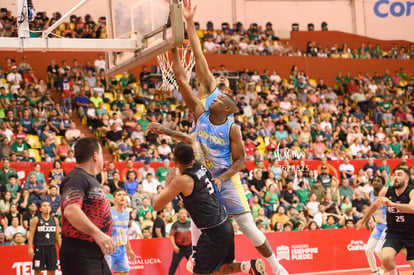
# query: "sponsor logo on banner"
{"type": "Point", "coordinates": [385, 8]}
{"type": "Point", "coordinates": [25, 268]}
{"type": "Point", "coordinates": [140, 262]}
{"type": "Point", "coordinates": [356, 245]}
{"type": "Point", "coordinates": [296, 252]}
{"type": "Point", "coordinates": [283, 252]}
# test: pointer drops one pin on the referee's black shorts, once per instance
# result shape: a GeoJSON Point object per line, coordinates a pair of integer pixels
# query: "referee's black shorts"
{"type": "Point", "coordinates": [214, 248]}
{"type": "Point", "coordinates": [82, 257]}
{"type": "Point", "coordinates": [45, 258]}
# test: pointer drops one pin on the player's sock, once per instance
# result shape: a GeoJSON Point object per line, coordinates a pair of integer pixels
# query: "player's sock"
{"type": "Point", "coordinates": [274, 263]}
{"type": "Point", "coordinates": [393, 272]}
{"type": "Point", "coordinates": [245, 266]}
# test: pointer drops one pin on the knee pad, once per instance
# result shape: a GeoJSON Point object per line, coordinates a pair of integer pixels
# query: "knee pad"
{"type": "Point", "coordinates": [249, 229]}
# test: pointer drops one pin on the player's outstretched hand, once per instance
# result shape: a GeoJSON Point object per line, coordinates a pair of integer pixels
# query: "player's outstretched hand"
{"type": "Point", "coordinates": [170, 176]}
{"type": "Point", "coordinates": [105, 243]}
{"type": "Point", "coordinates": [384, 201]}
{"type": "Point", "coordinates": [155, 127]}
{"type": "Point", "coordinates": [31, 252]}
{"type": "Point", "coordinates": [188, 10]}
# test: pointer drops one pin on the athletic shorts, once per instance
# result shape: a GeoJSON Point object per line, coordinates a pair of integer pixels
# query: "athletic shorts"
{"type": "Point", "coordinates": [398, 243]}
{"type": "Point", "coordinates": [214, 248]}
{"type": "Point", "coordinates": [118, 262]}
{"type": "Point", "coordinates": [45, 258]}
{"type": "Point", "coordinates": [232, 196]}
{"type": "Point", "coordinates": [82, 257]}
{"type": "Point", "coordinates": [378, 232]}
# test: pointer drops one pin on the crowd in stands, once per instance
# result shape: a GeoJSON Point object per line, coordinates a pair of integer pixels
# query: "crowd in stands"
{"type": "Point", "coordinates": [235, 39]}
{"type": "Point", "coordinates": [362, 116]}
{"type": "Point", "coordinates": [75, 27]}
{"type": "Point", "coordinates": [256, 40]}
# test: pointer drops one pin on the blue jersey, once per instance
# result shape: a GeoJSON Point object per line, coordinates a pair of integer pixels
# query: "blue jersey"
{"type": "Point", "coordinates": [215, 143]}
{"type": "Point", "coordinates": [380, 219]}
{"type": "Point", "coordinates": [381, 214]}
{"type": "Point", "coordinates": [120, 230]}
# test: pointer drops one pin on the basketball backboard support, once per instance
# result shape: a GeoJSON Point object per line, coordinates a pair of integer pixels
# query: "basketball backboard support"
{"type": "Point", "coordinates": [138, 30]}
{"type": "Point", "coordinates": [157, 25]}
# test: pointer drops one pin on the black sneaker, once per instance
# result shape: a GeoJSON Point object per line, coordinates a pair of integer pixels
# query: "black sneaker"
{"type": "Point", "coordinates": [257, 267]}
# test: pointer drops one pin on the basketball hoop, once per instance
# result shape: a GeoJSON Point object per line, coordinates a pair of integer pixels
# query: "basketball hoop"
{"type": "Point", "coordinates": [187, 60]}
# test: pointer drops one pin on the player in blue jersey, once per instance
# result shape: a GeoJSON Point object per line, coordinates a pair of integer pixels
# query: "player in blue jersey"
{"type": "Point", "coordinates": [118, 261]}
{"type": "Point", "coordinates": [221, 141]}
{"type": "Point", "coordinates": [377, 238]}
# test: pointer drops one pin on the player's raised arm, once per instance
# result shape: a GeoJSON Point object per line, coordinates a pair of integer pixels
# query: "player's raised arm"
{"type": "Point", "coordinates": [204, 76]}
{"type": "Point", "coordinates": [157, 128]}
{"type": "Point", "coordinates": [190, 99]}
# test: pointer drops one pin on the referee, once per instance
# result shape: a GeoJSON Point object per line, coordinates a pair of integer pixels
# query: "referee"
{"type": "Point", "coordinates": [180, 237]}
{"type": "Point", "coordinates": [86, 215]}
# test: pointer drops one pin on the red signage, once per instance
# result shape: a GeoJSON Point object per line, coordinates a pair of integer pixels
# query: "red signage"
{"type": "Point", "coordinates": [300, 252]}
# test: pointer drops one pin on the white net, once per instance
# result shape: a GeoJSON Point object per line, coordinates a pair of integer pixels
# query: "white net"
{"type": "Point", "coordinates": [168, 79]}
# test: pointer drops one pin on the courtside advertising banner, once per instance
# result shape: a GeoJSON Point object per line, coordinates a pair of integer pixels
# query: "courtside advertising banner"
{"type": "Point", "coordinates": [300, 252]}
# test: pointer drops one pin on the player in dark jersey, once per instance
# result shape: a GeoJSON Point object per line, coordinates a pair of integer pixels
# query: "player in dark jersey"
{"type": "Point", "coordinates": [86, 215]}
{"type": "Point", "coordinates": [44, 234]}
{"type": "Point", "coordinates": [215, 248]}
{"type": "Point", "coordinates": [399, 199]}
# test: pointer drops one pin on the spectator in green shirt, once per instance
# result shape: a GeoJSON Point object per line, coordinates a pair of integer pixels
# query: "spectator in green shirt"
{"type": "Point", "coordinates": [26, 157]}
{"type": "Point", "coordinates": [144, 209]}
{"type": "Point", "coordinates": [303, 193]}
{"type": "Point", "coordinates": [143, 121]}
{"type": "Point", "coordinates": [19, 146]}
{"type": "Point", "coordinates": [14, 188]}
{"type": "Point", "coordinates": [396, 147]}
{"type": "Point", "coordinates": [162, 172]}
{"type": "Point", "coordinates": [384, 166]}
{"type": "Point", "coordinates": [5, 173]}
{"type": "Point", "coordinates": [271, 200]}
{"type": "Point", "coordinates": [397, 125]}
{"type": "Point", "coordinates": [345, 190]}
{"type": "Point", "coordinates": [247, 192]}
{"type": "Point", "coordinates": [331, 221]}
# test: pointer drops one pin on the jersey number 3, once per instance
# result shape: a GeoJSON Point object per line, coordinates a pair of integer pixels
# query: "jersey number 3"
{"type": "Point", "coordinates": [210, 186]}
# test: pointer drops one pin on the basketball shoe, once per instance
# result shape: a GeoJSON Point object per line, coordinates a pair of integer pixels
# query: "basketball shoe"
{"type": "Point", "coordinates": [257, 267]}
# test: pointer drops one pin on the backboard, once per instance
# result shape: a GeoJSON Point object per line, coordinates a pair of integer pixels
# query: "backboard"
{"type": "Point", "coordinates": [156, 25]}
